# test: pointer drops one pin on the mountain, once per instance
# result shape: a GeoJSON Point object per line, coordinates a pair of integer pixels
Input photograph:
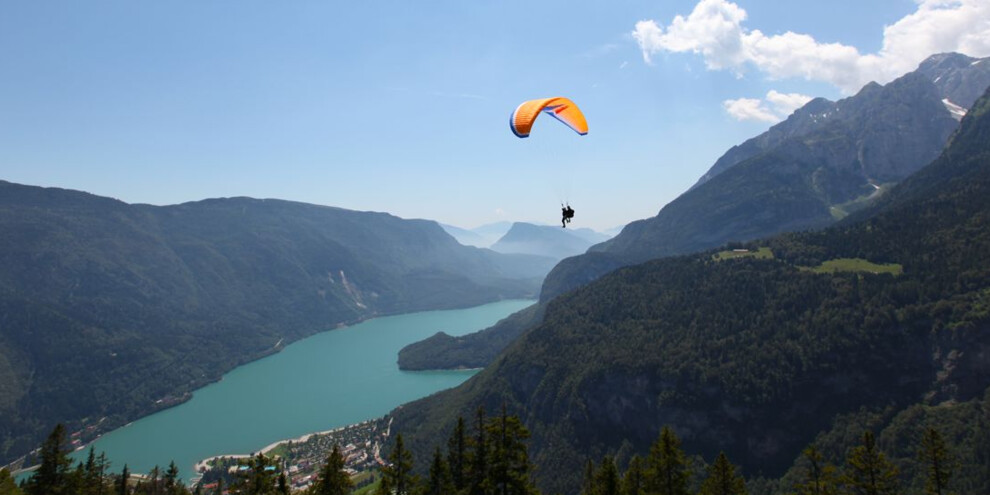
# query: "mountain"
{"type": "Point", "coordinates": [483, 236]}
{"type": "Point", "coordinates": [825, 161]}
{"type": "Point", "coordinates": [542, 240]}
{"type": "Point", "coordinates": [111, 310]}
{"type": "Point", "coordinates": [592, 236]}
{"type": "Point", "coordinates": [755, 351]}
{"type": "Point", "coordinates": [476, 350]}
{"type": "Point", "coordinates": [466, 237]}
{"type": "Point", "coordinates": [441, 351]}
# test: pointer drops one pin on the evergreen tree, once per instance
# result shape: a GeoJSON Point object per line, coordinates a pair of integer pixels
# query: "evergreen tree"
{"type": "Point", "coordinates": [819, 477]}
{"type": "Point", "coordinates": [384, 486]}
{"type": "Point", "coordinates": [102, 466]}
{"type": "Point", "coordinates": [440, 482]}
{"type": "Point", "coordinates": [91, 477]}
{"type": "Point", "coordinates": [399, 471]}
{"type": "Point", "coordinates": [634, 480]}
{"type": "Point", "coordinates": [125, 476]}
{"type": "Point", "coordinates": [7, 485]}
{"type": "Point", "coordinates": [333, 480]}
{"type": "Point", "coordinates": [154, 484]}
{"type": "Point", "coordinates": [938, 462]}
{"type": "Point", "coordinates": [607, 478]}
{"type": "Point", "coordinates": [509, 464]}
{"type": "Point", "coordinates": [868, 472]}
{"type": "Point", "coordinates": [667, 469]}
{"type": "Point", "coordinates": [588, 479]}
{"type": "Point", "coordinates": [52, 476]}
{"type": "Point", "coordinates": [722, 479]}
{"type": "Point", "coordinates": [171, 482]}
{"type": "Point", "coordinates": [283, 484]}
{"type": "Point", "coordinates": [478, 468]}
{"type": "Point", "coordinates": [457, 455]}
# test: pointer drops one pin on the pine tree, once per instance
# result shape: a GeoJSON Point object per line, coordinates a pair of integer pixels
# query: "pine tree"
{"type": "Point", "coordinates": [722, 479]}
{"type": "Point", "coordinates": [478, 467]}
{"type": "Point", "coordinates": [457, 455]}
{"type": "Point", "coordinates": [634, 480]}
{"type": "Point", "coordinates": [667, 469]}
{"type": "Point", "coordinates": [52, 476]}
{"type": "Point", "coordinates": [588, 480]}
{"type": "Point", "coordinates": [399, 471]}
{"type": "Point", "coordinates": [820, 476]}
{"type": "Point", "coordinates": [938, 462]}
{"type": "Point", "coordinates": [91, 478]}
{"type": "Point", "coordinates": [868, 472]}
{"type": "Point", "coordinates": [125, 476]}
{"type": "Point", "coordinates": [155, 484]}
{"type": "Point", "coordinates": [440, 482]}
{"type": "Point", "coordinates": [509, 466]}
{"type": "Point", "coordinates": [172, 483]}
{"type": "Point", "coordinates": [7, 485]}
{"type": "Point", "coordinates": [283, 484]}
{"type": "Point", "coordinates": [77, 480]}
{"type": "Point", "coordinates": [333, 479]}
{"type": "Point", "coordinates": [606, 480]}
{"type": "Point", "coordinates": [384, 486]}
{"type": "Point", "coordinates": [102, 465]}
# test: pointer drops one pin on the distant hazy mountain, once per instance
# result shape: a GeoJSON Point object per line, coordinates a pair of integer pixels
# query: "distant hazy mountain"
{"type": "Point", "coordinates": [113, 310]}
{"type": "Point", "coordinates": [880, 324]}
{"type": "Point", "coordinates": [541, 240]}
{"type": "Point", "coordinates": [592, 236]}
{"type": "Point", "coordinates": [825, 161]}
{"type": "Point", "coordinates": [466, 237]}
{"type": "Point", "coordinates": [483, 236]}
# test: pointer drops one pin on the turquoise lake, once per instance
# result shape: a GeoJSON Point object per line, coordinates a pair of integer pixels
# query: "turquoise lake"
{"type": "Point", "coordinates": [331, 379]}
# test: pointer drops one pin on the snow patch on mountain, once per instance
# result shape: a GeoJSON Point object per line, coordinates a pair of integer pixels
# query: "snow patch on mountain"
{"type": "Point", "coordinates": [957, 111]}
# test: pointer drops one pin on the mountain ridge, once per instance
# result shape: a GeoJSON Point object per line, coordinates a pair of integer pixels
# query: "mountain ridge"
{"type": "Point", "coordinates": [823, 162]}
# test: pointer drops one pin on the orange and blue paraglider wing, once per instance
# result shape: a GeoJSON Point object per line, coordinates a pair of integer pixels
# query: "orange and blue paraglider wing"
{"type": "Point", "coordinates": [562, 109]}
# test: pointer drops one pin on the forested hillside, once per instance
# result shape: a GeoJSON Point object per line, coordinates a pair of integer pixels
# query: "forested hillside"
{"type": "Point", "coordinates": [109, 311]}
{"type": "Point", "coordinates": [755, 353]}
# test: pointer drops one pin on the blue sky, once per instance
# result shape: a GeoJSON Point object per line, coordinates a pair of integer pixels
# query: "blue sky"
{"type": "Point", "coordinates": [403, 106]}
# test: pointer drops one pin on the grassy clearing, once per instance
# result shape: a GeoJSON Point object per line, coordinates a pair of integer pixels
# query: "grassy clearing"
{"type": "Point", "coordinates": [763, 253]}
{"type": "Point", "coordinates": [856, 265]}
{"type": "Point", "coordinates": [365, 490]}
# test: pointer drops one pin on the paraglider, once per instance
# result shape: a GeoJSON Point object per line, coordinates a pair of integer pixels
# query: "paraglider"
{"type": "Point", "coordinates": [567, 213]}
{"type": "Point", "coordinates": [558, 107]}
{"type": "Point", "coordinates": [564, 110]}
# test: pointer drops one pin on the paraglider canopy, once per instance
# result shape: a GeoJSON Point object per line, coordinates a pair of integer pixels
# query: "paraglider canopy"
{"type": "Point", "coordinates": [558, 107]}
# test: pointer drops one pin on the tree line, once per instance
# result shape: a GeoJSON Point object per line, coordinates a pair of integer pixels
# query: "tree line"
{"type": "Point", "coordinates": [493, 459]}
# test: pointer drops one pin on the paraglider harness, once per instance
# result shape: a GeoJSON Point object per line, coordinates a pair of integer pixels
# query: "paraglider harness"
{"type": "Point", "coordinates": [567, 214]}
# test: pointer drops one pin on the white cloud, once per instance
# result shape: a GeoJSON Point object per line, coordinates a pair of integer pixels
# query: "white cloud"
{"type": "Point", "coordinates": [714, 30]}
{"type": "Point", "coordinates": [749, 109]}
{"type": "Point", "coordinates": [786, 103]}
{"type": "Point", "coordinates": [776, 106]}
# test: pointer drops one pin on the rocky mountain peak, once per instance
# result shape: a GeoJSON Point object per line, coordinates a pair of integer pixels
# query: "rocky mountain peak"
{"type": "Point", "coordinates": [960, 79]}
